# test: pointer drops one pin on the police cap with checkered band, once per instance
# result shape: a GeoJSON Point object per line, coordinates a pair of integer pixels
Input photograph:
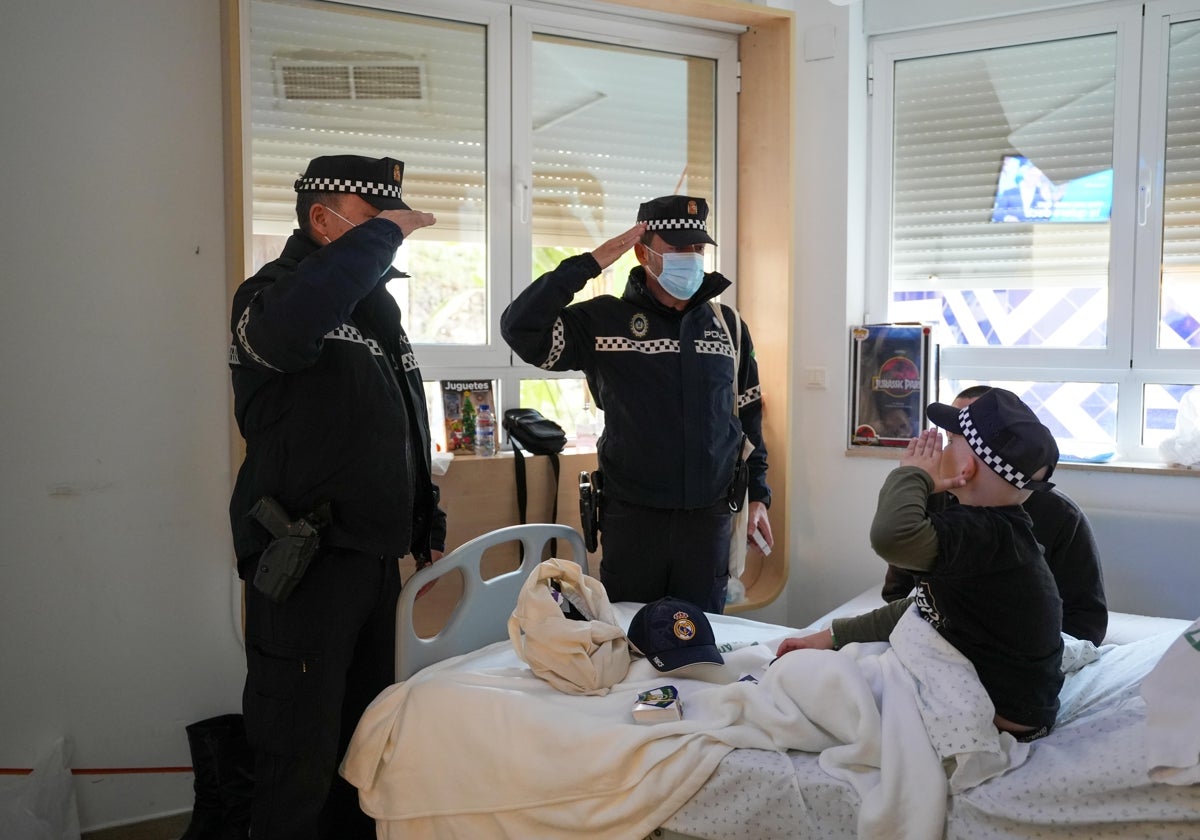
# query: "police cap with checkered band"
{"type": "Point", "coordinates": [680, 220]}
{"type": "Point", "coordinates": [375, 180]}
{"type": "Point", "coordinates": [1005, 434]}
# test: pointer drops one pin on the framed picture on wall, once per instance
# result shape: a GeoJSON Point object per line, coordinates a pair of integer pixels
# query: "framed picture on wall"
{"type": "Point", "coordinates": [893, 370]}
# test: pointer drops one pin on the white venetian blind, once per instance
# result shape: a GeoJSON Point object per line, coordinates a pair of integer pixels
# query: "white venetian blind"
{"type": "Point", "coordinates": [956, 117]}
{"type": "Point", "coordinates": [1181, 191]}
{"type": "Point", "coordinates": [344, 80]}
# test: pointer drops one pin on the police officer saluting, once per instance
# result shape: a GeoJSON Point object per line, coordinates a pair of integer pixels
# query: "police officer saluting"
{"type": "Point", "coordinates": [329, 399]}
{"type": "Point", "coordinates": [661, 364]}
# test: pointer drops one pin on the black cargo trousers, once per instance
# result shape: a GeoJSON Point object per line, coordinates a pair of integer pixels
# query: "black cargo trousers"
{"type": "Point", "coordinates": [313, 664]}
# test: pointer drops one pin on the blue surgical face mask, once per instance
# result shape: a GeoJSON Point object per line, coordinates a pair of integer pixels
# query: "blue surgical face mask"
{"type": "Point", "coordinates": [682, 273]}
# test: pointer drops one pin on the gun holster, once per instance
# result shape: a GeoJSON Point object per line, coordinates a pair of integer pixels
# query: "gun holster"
{"type": "Point", "coordinates": [590, 495]}
{"type": "Point", "coordinates": [287, 557]}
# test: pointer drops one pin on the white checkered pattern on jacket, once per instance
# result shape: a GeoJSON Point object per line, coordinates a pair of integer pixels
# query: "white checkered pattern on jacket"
{"type": "Point", "coordinates": [244, 342]}
{"type": "Point", "coordinates": [750, 396]}
{"type": "Point", "coordinates": [344, 185]}
{"type": "Point", "coordinates": [346, 332]}
{"type": "Point", "coordinates": [558, 342]}
{"type": "Point", "coordinates": [610, 343]}
{"type": "Point", "coordinates": [1005, 470]}
{"type": "Point", "coordinates": [717, 348]}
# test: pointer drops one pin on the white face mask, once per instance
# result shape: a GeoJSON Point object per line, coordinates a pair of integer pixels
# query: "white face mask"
{"type": "Point", "coordinates": [682, 273]}
{"type": "Point", "coordinates": [340, 216]}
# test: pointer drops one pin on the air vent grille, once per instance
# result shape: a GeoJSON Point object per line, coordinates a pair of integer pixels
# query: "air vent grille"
{"type": "Point", "coordinates": [374, 80]}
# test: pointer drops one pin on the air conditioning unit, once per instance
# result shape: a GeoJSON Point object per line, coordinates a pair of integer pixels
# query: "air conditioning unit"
{"type": "Point", "coordinates": [364, 77]}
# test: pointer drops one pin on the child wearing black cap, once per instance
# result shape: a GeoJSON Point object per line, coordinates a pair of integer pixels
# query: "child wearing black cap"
{"type": "Point", "coordinates": [1068, 544]}
{"type": "Point", "coordinates": [982, 581]}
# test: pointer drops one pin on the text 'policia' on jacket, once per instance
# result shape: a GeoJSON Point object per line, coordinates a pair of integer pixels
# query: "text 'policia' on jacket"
{"type": "Point", "coordinates": [329, 399]}
{"type": "Point", "coordinates": [664, 379]}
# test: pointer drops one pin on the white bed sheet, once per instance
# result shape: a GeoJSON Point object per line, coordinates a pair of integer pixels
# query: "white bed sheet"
{"type": "Point", "coordinates": [1087, 779]}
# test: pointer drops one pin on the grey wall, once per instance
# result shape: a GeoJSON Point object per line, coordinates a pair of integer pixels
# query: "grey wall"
{"type": "Point", "coordinates": [115, 612]}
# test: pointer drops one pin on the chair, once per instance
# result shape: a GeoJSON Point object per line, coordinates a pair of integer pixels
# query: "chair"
{"type": "Point", "coordinates": [481, 615]}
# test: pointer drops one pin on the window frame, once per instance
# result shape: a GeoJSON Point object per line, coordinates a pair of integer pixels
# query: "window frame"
{"type": "Point", "coordinates": [1130, 358]}
{"type": "Point", "coordinates": [508, 155]}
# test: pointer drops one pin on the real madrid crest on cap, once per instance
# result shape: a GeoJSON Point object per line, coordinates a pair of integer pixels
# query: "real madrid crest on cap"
{"type": "Point", "coordinates": [376, 180]}
{"type": "Point", "coordinates": [679, 219]}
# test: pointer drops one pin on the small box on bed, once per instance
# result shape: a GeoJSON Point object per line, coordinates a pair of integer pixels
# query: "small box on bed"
{"type": "Point", "coordinates": [657, 705]}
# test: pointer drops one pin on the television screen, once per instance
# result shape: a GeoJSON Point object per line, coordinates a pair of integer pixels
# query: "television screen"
{"type": "Point", "coordinates": [1025, 194]}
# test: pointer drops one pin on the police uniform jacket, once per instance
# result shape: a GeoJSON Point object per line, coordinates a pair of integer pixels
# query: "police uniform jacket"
{"type": "Point", "coordinates": [329, 398]}
{"type": "Point", "coordinates": [665, 380]}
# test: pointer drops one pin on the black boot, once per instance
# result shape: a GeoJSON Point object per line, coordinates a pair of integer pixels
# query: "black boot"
{"type": "Point", "coordinates": [223, 763]}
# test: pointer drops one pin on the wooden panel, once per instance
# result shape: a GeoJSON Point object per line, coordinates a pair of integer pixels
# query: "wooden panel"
{"type": "Point", "coordinates": [765, 260]}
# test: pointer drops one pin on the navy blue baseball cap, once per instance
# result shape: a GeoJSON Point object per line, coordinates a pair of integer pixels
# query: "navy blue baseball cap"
{"type": "Point", "coordinates": [1005, 434]}
{"type": "Point", "coordinates": [672, 634]}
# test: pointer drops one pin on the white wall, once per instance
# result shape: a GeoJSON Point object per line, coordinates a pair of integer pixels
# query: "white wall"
{"type": "Point", "coordinates": [115, 609]}
{"type": "Point", "coordinates": [116, 624]}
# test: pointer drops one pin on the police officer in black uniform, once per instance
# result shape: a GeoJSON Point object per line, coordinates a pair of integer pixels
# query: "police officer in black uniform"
{"type": "Point", "coordinates": [329, 399]}
{"type": "Point", "coordinates": [661, 364]}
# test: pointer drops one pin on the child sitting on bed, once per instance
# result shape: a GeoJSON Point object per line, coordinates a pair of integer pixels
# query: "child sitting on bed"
{"type": "Point", "coordinates": [982, 581]}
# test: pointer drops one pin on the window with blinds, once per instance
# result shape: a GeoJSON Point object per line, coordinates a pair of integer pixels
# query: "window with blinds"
{"type": "Point", "coordinates": [1044, 191]}
{"type": "Point", "coordinates": [531, 132]}
{"type": "Point", "coordinates": [1003, 280]}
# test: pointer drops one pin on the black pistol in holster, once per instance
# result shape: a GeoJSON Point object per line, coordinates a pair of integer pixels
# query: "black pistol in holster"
{"type": "Point", "coordinates": [286, 558]}
{"type": "Point", "coordinates": [590, 498]}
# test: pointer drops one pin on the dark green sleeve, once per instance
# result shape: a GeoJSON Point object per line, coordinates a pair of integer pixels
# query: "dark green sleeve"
{"type": "Point", "coordinates": [875, 626]}
{"type": "Point", "coordinates": [901, 532]}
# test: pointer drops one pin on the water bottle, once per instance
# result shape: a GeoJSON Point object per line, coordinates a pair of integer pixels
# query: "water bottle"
{"type": "Point", "coordinates": [485, 431]}
{"type": "Point", "coordinates": [586, 430]}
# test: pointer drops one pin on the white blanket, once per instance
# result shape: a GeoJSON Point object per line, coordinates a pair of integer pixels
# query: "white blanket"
{"type": "Point", "coordinates": [479, 747]}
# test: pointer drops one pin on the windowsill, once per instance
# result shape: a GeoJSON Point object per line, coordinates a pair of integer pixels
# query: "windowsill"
{"type": "Point", "coordinates": [892, 453]}
{"type": "Point", "coordinates": [569, 450]}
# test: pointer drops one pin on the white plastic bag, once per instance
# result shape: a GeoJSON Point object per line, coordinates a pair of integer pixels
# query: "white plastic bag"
{"type": "Point", "coordinates": [1183, 447]}
{"type": "Point", "coordinates": [41, 806]}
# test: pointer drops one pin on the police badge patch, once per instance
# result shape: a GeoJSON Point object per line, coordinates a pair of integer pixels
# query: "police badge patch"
{"type": "Point", "coordinates": [639, 325]}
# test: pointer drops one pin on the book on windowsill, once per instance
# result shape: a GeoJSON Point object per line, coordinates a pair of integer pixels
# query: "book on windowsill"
{"type": "Point", "coordinates": [461, 399]}
{"type": "Point", "coordinates": [893, 380]}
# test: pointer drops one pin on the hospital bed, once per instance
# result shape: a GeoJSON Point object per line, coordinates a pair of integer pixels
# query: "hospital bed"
{"type": "Point", "coordinates": [469, 743]}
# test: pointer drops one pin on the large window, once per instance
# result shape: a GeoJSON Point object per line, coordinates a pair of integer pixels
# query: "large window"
{"type": "Point", "coordinates": [533, 133]}
{"type": "Point", "coordinates": [1038, 200]}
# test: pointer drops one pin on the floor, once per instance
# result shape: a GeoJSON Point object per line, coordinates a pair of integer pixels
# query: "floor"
{"type": "Point", "coordinates": [165, 828]}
